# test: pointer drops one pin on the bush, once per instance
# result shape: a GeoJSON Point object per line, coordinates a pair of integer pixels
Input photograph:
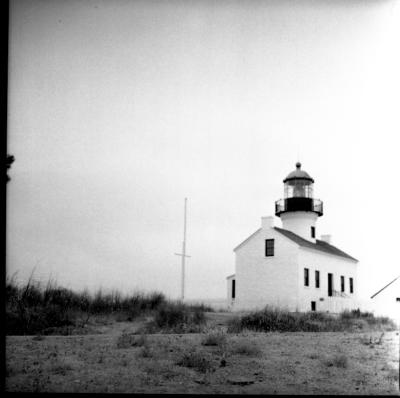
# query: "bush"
{"type": "Point", "coordinates": [214, 339]}
{"type": "Point", "coordinates": [127, 340]}
{"type": "Point", "coordinates": [339, 361]}
{"type": "Point", "coordinates": [275, 320]}
{"type": "Point", "coordinates": [171, 315]}
{"type": "Point", "coordinates": [197, 360]}
{"type": "Point", "coordinates": [355, 314]}
{"type": "Point", "coordinates": [146, 352]}
{"type": "Point", "coordinates": [32, 308]}
{"type": "Point", "coordinates": [176, 317]}
{"type": "Point", "coordinates": [270, 320]}
{"type": "Point", "coordinates": [244, 347]}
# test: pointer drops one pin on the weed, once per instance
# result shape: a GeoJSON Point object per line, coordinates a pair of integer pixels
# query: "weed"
{"type": "Point", "coordinates": [176, 317]}
{"type": "Point", "coordinates": [197, 360]}
{"type": "Point", "coordinates": [214, 339]}
{"type": "Point", "coordinates": [33, 308]}
{"type": "Point", "coordinates": [61, 369]}
{"type": "Point", "coordinates": [338, 361]}
{"type": "Point", "coordinates": [160, 368]}
{"type": "Point", "coordinates": [245, 347]}
{"type": "Point", "coordinates": [146, 352]}
{"type": "Point", "coordinates": [127, 340]}
{"type": "Point", "coordinates": [272, 319]}
{"type": "Point", "coordinates": [393, 375]}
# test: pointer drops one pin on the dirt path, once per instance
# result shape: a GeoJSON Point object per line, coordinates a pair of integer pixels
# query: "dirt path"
{"type": "Point", "coordinates": [283, 363]}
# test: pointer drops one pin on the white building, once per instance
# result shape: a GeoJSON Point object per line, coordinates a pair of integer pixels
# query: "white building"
{"type": "Point", "coordinates": [288, 267]}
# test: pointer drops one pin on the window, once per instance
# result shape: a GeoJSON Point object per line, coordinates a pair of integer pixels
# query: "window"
{"type": "Point", "coordinates": [313, 306]}
{"type": "Point", "coordinates": [269, 247]}
{"type": "Point", "coordinates": [306, 277]}
{"type": "Point", "coordinates": [316, 278]}
{"type": "Point", "coordinates": [342, 283]}
{"type": "Point", "coordinates": [351, 286]}
{"type": "Point", "coordinates": [313, 232]}
{"type": "Point", "coordinates": [233, 288]}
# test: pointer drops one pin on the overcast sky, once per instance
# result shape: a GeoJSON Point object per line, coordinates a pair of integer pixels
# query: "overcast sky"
{"type": "Point", "coordinates": [120, 109]}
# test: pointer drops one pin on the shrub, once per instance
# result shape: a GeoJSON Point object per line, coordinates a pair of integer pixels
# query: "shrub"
{"type": "Point", "coordinates": [171, 314]}
{"type": "Point", "coordinates": [146, 351]}
{"type": "Point", "coordinates": [339, 361]}
{"type": "Point", "coordinates": [198, 316]}
{"type": "Point", "coordinates": [214, 339]}
{"type": "Point", "coordinates": [355, 314]}
{"type": "Point", "coordinates": [196, 360]}
{"type": "Point", "coordinates": [244, 347]}
{"type": "Point", "coordinates": [32, 308]}
{"type": "Point", "coordinates": [127, 340]}
{"type": "Point", "coordinates": [272, 319]}
{"type": "Point", "coordinates": [176, 317]}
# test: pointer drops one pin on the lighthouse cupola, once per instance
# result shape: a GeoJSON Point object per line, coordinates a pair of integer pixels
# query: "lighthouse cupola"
{"type": "Point", "coordinates": [298, 209]}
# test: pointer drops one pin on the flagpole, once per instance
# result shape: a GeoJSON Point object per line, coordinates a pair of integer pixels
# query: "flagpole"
{"type": "Point", "coordinates": [183, 254]}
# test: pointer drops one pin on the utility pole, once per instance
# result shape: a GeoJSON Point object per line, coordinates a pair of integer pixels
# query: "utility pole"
{"type": "Point", "coordinates": [183, 254]}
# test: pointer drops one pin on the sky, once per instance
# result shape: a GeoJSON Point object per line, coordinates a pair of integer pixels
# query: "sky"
{"type": "Point", "coordinates": [118, 110]}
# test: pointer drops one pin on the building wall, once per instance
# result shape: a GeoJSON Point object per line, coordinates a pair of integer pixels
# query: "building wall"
{"type": "Point", "coordinates": [300, 222]}
{"type": "Point", "coordinates": [326, 263]}
{"type": "Point", "coordinates": [262, 280]}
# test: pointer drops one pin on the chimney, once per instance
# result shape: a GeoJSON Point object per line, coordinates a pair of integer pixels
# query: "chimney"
{"type": "Point", "coordinates": [326, 238]}
{"type": "Point", "coordinates": [267, 222]}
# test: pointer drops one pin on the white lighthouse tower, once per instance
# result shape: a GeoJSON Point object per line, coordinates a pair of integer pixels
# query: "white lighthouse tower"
{"type": "Point", "coordinates": [299, 211]}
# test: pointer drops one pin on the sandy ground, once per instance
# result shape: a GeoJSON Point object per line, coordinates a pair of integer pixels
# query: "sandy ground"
{"type": "Point", "coordinates": [284, 363]}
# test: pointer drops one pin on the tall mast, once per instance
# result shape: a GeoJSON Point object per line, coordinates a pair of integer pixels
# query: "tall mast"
{"type": "Point", "coordinates": [183, 254]}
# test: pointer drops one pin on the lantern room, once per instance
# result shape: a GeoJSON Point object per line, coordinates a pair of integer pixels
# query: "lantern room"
{"type": "Point", "coordinates": [298, 184]}
{"type": "Point", "coordinates": [298, 194]}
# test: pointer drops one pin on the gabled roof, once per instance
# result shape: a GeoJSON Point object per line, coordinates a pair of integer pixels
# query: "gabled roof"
{"type": "Point", "coordinates": [319, 245]}
{"type": "Point", "coordinates": [253, 234]}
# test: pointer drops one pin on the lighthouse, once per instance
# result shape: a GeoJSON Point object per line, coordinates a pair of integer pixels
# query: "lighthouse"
{"type": "Point", "coordinates": [287, 266]}
{"type": "Point", "coordinates": [298, 210]}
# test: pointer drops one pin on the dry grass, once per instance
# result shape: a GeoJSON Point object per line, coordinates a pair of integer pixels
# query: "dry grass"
{"type": "Point", "coordinates": [215, 338]}
{"type": "Point", "coordinates": [290, 363]}
{"type": "Point", "coordinates": [338, 360]}
{"type": "Point", "coordinates": [245, 347]}
{"type": "Point", "coordinates": [275, 320]}
{"type": "Point", "coordinates": [52, 310]}
{"type": "Point", "coordinates": [127, 340]}
{"type": "Point", "coordinates": [198, 360]}
{"type": "Point", "coordinates": [49, 309]}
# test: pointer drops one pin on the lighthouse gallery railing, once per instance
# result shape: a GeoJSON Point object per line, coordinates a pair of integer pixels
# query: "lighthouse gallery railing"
{"type": "Point", "coordinates": [298, 204]}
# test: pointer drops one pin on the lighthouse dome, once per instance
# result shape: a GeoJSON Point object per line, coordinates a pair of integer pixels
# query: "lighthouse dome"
{"type": "Point", "coordinates": [298, 174]}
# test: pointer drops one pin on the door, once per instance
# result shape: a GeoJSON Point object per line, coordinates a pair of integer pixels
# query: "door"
{"type": "Point", "coordinates": [330, 284]}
